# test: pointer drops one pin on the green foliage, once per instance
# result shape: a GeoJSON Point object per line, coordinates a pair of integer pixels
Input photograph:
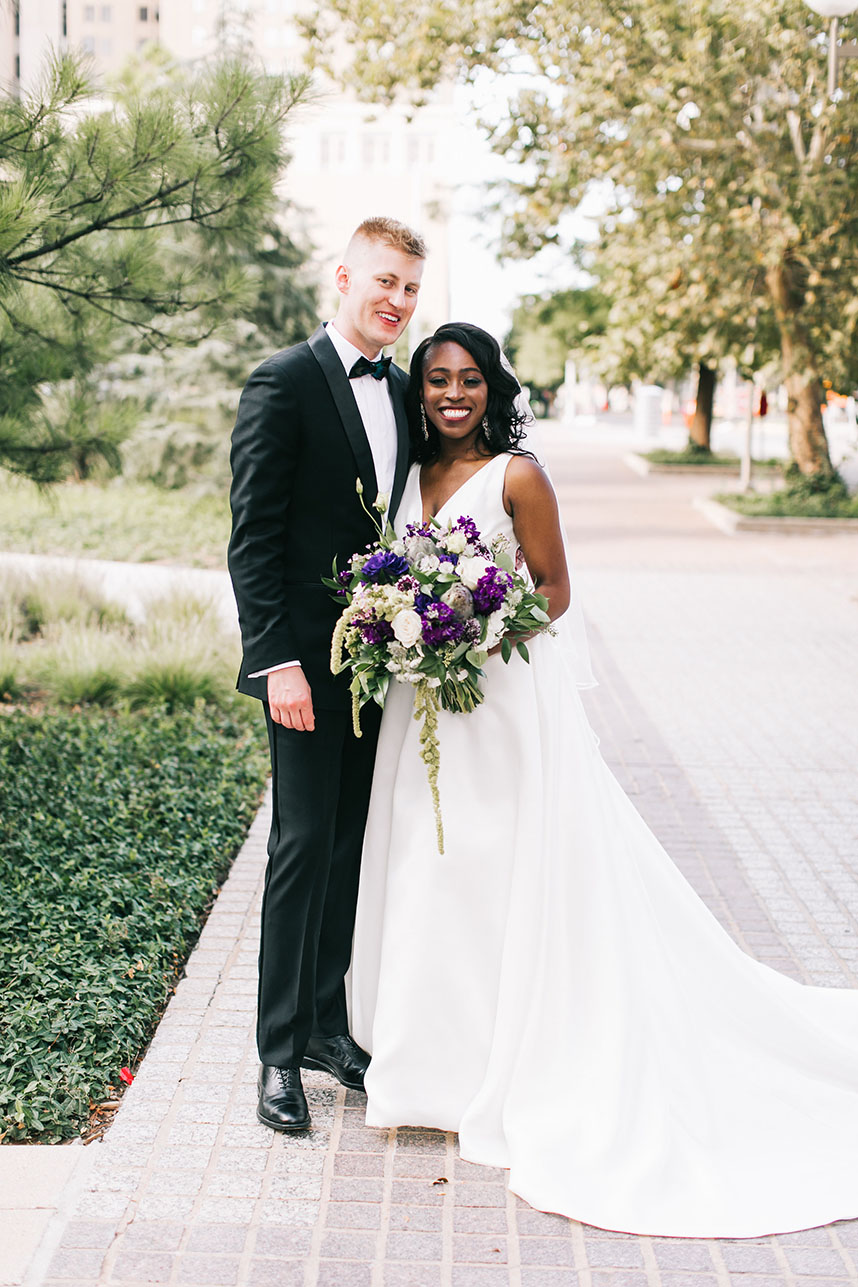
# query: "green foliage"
{"type": "Point", "coordinates": [175, 686]}
{"type": "Point", "coordinates": [547, 329]}
{"type": "Point", "coordinates": [132, 522]}
{"type": "Point", "coordinates": [75, 649]}
{"type": "Point", "coordinates": [804, 496]}
{"type": "Point", "coordinates": [727, 178]}
{"type": "Point", "coordinates": [115, 832]}
{"type": "Point", "coordinates": [133, 220]}
{"type": "Point", "coordinates": [704, 458]}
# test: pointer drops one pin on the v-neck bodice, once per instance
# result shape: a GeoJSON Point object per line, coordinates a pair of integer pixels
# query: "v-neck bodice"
{"type": "Point", "coordinates": [480, 497]}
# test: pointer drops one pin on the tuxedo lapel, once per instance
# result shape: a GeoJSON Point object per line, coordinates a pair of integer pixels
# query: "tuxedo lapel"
{"type": "Point", "coordinates": [338, 382]}
{"type": "Point", "coordinates": [396, 381]}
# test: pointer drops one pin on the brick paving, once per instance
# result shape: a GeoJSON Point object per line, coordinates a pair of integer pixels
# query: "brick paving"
{"type": "Point", "coordinates": [726, 711]}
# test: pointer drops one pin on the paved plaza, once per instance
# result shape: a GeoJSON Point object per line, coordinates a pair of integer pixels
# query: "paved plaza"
{"type": "Point", "coordinates": [728, 708]}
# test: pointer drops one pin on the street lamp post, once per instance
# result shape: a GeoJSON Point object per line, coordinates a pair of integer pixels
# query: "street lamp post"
{"type": "Point", "coordinates": [837, 53]}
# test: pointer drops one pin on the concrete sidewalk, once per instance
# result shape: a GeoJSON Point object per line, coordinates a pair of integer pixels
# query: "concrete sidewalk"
{"type": "Point", "coordinates": [729, 711]}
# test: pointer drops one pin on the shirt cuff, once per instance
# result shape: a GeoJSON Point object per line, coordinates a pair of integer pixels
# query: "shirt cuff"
{"type": "Point", "coordinates": [284, 665]}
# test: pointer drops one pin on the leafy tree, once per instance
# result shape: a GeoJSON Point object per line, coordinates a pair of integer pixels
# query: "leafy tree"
{"type": "Point", "coordinates": [675, 306]}
{"type": "Point", "coordinates": [546, 329]}
{"type": "Point", "coordinates": [706, 118]}
{"type": "Point", "coordinates": [122, 222]}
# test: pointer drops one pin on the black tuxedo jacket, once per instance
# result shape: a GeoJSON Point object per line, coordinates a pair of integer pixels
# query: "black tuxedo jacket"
{"type": "Point", "coordinates": [298, 448]}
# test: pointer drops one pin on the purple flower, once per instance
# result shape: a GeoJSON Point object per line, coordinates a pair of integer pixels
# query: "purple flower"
{"type": "Point", "coordinates": [491, 590]}
{"type": "Point", "coordinates": [420, 529]}
{"type": "Point", "coordinates": [423, 601]}
{"type": "Point", "coordinates": [407, 584]}
{"type": "Point", "coordinates": [440, 625]}
{"type": "Point", "coordinates": [376, 632]}
{"type": "Point", "coordinates": [384, 568]}
{"type": "Point", "coordinates": [472, 534]}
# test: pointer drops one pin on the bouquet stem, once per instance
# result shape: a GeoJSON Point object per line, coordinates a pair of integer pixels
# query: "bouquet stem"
{"type": "Point", "coordinates": [426, 708]}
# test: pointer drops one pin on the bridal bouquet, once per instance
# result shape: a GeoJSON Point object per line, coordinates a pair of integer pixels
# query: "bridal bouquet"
{"type": "Point", "coordinates": [425, 609]}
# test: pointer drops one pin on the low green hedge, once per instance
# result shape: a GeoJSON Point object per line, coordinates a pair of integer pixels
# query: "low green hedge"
{"type": "Point", "coordinates": [115, 832]}
{"type": "Point", "coordinates": [803, 496]}
{"type": "Point", "coordinates": [704, 459]}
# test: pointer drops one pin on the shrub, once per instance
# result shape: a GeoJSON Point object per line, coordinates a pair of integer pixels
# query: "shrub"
{"type": "Point", "coordinates": [704, 457]}
{"type": "Point", "coordinates": [803, 496]}
{"type": "Point", "coordinates": [115, 831]}
{"type": "Point", "coordinates": [176, 686]}
{"type": "Point", "coordinates": [92, 655]}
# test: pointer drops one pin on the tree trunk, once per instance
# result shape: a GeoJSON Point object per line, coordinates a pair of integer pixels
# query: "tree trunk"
{"type": "Point", "coordinates": [808, 444]}
{"type": "Point", "coordinates": [700, 429]}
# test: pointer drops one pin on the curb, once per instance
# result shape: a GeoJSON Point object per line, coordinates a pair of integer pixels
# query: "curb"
{"type": "Point", "coordinates": [730, 522]}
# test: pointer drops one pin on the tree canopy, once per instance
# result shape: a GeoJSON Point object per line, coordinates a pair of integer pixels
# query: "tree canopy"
{"type": "Point", "coordinates": [708, 128]}
{"type": "Point", "coordinates": [123, 220]}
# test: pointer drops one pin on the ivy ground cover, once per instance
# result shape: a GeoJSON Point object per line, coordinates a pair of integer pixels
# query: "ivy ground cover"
{"type": "Point", "coordinates": [116, 829]}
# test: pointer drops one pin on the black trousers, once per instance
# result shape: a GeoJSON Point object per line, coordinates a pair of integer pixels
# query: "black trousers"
{"type": "Point", "coordinates": [321, 785]}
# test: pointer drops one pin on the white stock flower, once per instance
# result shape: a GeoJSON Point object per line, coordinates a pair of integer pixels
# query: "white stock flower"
{"type": "Point", "coordinates": [429, 563]}
{"type": "Point", "coordinates": [470, 570]}
{"type": "Point", "coordinates": [494, 629]}
{"type": "Point", "coordinates": [407, 627]}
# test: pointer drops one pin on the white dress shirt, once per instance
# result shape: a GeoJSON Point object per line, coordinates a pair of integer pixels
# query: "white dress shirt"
{"type": "Point", "coordinates": [376, 411]}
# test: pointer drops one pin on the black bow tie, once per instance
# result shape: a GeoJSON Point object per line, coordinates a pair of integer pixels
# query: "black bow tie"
{"type": "Point", "coordinates": [377, 369]}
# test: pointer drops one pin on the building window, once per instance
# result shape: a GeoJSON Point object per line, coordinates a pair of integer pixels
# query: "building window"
{"type": "Point", "coordinates": [143, 13]}
{"type": "Point", "coordinates": [107, 47]}
{"type": "Point", "coordinates": [105, 13]}
{"type": "Point", "coordinates": [88, 44]}
{"type": "Point", "coordinates": [89, 13]}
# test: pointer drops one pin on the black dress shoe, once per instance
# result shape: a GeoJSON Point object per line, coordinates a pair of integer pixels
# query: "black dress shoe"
{"type": "Point", "coordinates": [282, 1104]}
{"type": "Point", "coordinates": [340, 1056]}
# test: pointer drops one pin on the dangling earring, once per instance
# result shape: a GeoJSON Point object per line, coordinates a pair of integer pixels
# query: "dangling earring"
{"type": "Point", "coordinates": [423, 428]}
{"type": "Point", "coordinates": [487, 431]}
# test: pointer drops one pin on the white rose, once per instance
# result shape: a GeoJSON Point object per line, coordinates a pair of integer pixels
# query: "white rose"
{"type": "Point", "coordinates": [470, 571]}
{"type": "Point", "coordinates": [445, 566]}
{"type": "Point", "coordinates": [407, 626]}
{"type": "Point", "coordinates": [456, 542]}
{"type": "Point", "coordinates": [398, 547]}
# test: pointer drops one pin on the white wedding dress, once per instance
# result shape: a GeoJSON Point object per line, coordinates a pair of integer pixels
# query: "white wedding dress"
{"type": "Point", "coordinates": [553, 989]}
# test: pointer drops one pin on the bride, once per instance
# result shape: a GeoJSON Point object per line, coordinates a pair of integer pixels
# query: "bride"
{"type": "Point", "coordinates": [551, 988]}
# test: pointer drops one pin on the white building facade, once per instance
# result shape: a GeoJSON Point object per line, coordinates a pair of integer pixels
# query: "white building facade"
{"type": "Point", "coordinates": [349, 160]}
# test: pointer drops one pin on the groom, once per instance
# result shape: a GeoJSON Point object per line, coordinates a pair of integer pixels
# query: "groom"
{"type": "Point", "coordinates": [312, 420]}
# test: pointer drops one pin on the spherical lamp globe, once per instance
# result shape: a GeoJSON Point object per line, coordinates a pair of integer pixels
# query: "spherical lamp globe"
{"type": "Point", "coordinates": [832, 8]}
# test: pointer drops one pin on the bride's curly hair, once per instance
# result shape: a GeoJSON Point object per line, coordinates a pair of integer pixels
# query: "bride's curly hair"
{"type": "Point", "coordinates": [505, 420]}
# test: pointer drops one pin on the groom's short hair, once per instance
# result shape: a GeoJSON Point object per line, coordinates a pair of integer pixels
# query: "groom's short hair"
{"type": "Point", "coordinates": [391, 233]}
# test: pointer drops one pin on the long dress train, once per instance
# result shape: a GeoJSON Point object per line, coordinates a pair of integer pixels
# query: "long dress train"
{"type": "Point", "coordinates": [552, 988]}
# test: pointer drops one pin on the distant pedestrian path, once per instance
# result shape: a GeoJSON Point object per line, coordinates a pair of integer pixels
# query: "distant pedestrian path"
{"type": "Point", "coordinates": [133, 585]}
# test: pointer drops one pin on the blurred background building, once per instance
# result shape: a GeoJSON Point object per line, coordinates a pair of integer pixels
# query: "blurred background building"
{"type": "Point", "coordinates": [427, 167]}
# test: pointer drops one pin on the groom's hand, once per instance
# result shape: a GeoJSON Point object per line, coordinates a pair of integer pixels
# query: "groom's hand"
{"type": "Point", "coordinates": [290, 700]}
